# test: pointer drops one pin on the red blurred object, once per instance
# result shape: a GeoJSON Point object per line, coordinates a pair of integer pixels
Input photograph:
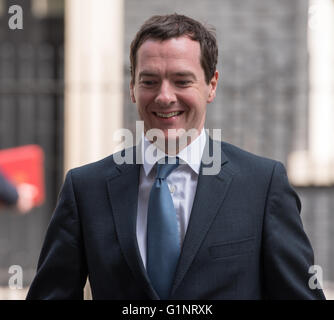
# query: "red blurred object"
{"type": "Point", "coordinates": [25, 165]}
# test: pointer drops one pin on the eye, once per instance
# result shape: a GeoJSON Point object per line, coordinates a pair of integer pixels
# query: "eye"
{"type": "Point", "coordinates": [183, 83]}
{"type": "Point", "coordinates": [148, 83]}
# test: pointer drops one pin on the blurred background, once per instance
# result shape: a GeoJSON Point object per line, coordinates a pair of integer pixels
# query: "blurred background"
{"type": "Point", "coordinates": [64, 85]}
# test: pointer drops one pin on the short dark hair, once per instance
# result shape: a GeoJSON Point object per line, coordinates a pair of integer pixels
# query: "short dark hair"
{"type": "Point", "coordinates": [164, 27]}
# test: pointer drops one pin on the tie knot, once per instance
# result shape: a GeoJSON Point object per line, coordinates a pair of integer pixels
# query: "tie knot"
{"type": "Point", "coordinates": [165, 169]}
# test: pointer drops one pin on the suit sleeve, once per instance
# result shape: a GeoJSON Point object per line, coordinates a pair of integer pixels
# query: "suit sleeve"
{"type": "Point", "coordinates": [287, 252]}
{"type": "Point", "coordinates": [61, 271]}
{"type": "Point", "coordinates": [8, 193]}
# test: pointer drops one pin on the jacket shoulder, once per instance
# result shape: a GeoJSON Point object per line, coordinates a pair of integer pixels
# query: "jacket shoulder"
{"type": "Point", "coordinates": [101, 168]}
{"type": "Point", "coordinates": [247, 161]}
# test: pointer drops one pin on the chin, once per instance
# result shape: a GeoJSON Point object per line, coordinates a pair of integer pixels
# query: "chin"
{"type": "Point", "coordinates": [175, 140]}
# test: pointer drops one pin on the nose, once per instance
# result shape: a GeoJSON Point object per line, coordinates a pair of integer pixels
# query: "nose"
{"type": "Point", "coordinates": [166, 95]}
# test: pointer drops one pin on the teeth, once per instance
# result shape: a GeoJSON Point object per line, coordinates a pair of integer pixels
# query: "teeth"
{"type": "Point", "coordinates": [168, 115]}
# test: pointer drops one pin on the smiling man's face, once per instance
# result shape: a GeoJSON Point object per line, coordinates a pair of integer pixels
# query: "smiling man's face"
{"type": "Point", "coordinates": [170, 90]}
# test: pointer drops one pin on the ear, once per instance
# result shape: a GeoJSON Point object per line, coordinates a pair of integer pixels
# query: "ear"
{"type": "Point", "coordinates": [212, 87]}
{"type": "Point", "coordinates": [132, 93]}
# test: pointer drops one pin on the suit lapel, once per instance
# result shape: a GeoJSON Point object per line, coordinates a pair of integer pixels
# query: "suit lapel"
{"type": "Point", "coordinates": [123, 193]}
{"type": "Point", "coordinates": [210, 194]}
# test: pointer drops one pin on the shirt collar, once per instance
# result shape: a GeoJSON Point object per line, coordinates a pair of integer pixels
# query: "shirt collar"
{"type": "Point", "coordinates": [191, 155]}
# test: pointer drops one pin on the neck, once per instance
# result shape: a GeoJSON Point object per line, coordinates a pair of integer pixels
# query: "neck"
{"type": "Point", "coordinates": [173, 145]}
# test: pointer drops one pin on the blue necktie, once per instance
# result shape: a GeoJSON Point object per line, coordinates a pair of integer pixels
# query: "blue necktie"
{"type": "Point", "coordinates": [163, 242]}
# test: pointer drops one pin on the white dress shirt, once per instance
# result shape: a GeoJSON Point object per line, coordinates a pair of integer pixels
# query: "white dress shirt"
{"type": "Point", "coordinates": [182, 184]}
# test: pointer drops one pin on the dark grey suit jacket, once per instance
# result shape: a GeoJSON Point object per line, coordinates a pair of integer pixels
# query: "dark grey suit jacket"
{"type": "Point", "coordinates": [245, 238]}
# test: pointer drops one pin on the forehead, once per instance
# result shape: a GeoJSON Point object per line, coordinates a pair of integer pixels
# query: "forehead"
{"type": "Point", "coordinates": [174, 50]}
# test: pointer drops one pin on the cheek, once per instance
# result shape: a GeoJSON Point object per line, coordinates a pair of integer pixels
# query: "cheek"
{"type": "Point", "coordinates": [195, 103]}
{"type": "Point", "coordinates": [143, 103]}
{"type": "Point", "coordinates": [144, 99]}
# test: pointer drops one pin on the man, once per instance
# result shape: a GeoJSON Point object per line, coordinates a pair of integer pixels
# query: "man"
{"type": "Point", "coordinates": [8, 192]}
{"type": "Point", "coordinates": [168, 231]}
{"type": "Point", "coordinates": [19, 196]}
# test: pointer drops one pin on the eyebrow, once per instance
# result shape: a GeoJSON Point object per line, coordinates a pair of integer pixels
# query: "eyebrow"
{"type": "Point", "coordinates": [186, 74]}
{"type": "Point", "coordinates": [179, 74]}
{"type": "Point", "coordinates": [147, 74]}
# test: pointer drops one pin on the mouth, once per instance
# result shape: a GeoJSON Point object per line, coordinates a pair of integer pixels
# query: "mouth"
{"type": "Point", "coordinates": [168, 115]}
